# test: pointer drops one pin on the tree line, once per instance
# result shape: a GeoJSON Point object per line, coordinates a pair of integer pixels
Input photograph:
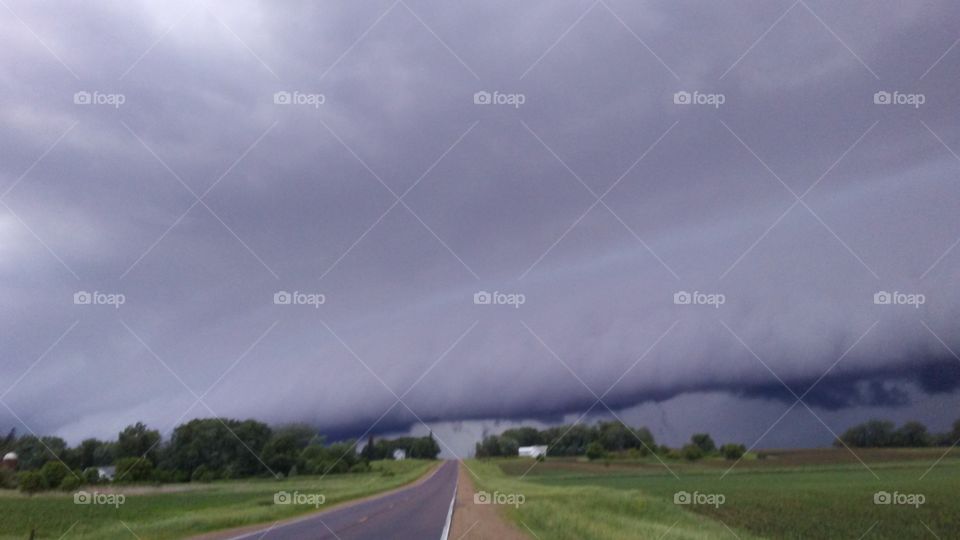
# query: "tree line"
{"type": "Point", "coordinates": [598, 441]}
{"type": "Point", "coordinates": [200, 450]}
{"type": "Point", "coordinates": [885, 434]}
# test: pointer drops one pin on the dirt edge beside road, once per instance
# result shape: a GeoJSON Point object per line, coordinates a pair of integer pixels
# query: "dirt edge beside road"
{"type": "Point", "coordinates": [478, 521]}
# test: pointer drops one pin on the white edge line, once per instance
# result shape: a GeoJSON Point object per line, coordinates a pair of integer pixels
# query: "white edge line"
{"type": "Point", "coordinates": [446, 526]}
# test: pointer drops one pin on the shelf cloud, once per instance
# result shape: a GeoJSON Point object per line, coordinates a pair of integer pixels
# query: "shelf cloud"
{"type": "Point", "coordinates": [367, 217]}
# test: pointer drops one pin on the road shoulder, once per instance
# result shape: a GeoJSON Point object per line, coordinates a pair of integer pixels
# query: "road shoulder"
{"type": "Point", "coordinates": [478, 521]}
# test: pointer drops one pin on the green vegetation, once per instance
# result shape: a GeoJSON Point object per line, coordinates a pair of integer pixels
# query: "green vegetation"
{"type": "Point", "coordinates": [569, 440]}
{"type": "Point", "coordinates": [414, 448]}
{"type": "Point", "coordinates": [733, 451]}
{"type": "Point", "coordinates": [580, 509]}
{"type": "Point", "coordinates": [789, 494]}
{"type": "Point", "coordinates": [201, 450]}
{"type": "Point", "coordinates": [883, 434]}
{"type": "Point", "coordinates": [181, 510]}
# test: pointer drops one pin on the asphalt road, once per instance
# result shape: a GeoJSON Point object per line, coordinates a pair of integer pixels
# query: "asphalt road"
{"type": "Point", "coordinates": [415, 513]}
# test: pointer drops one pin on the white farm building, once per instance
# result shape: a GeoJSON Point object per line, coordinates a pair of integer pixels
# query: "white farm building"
{"type": "Point", "coordinates": [532, 451]}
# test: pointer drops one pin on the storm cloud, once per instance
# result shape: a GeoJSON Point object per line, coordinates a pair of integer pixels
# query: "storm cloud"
{"type": "Point", "coordinates": [604, 161]}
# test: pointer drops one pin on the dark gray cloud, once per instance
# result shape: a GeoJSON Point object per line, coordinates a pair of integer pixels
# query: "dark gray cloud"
{"type": "Point", "coordinates": [494, 197]}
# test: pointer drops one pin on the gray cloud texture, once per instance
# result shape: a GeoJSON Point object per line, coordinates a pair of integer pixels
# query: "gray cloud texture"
{"type": "Point", "coordinates": [597, 199]}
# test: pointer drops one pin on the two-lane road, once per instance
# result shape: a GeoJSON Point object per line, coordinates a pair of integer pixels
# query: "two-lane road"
{"type": "Point", "coordinates": [419, 512]}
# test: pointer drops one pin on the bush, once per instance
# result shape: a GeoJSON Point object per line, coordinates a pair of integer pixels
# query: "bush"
{"type": "Point", "coordinates": [131, 469]}
{"type": "Point", "coordinates": [733, 451]}
{"type": "Point", "coordinates": [91, 476]}
{"type": "Point", "coordinates": [691, 452]}
{"type": "Point", "coordinates": [203, 474]}
{"type": "Point", "coordinates": [54, 472]}
{"type": "Point", "coordinates": [595, 451]}
{"type": "Point", "coordinates": [360, 467]}
{"type": "Point", "coordinates": [71, 483]}
{"type": "Point", "coordinates": [164, 476]}
{"type": "Point", "coordinates": [31, 482]}
{"type": "Point", "coordinates": [8, 479]}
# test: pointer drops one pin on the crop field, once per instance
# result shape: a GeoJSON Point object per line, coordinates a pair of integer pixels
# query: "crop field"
{"type": "Point", "coordinates": [788, 494]}
{"type": "Point", "coordinates": [184, 510]}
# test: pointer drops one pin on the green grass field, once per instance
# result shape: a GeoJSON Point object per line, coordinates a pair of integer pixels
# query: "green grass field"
{"type": "Point", "coordinates": [804, 494]}
{"type": "Point", "coordinates": [182, 510]}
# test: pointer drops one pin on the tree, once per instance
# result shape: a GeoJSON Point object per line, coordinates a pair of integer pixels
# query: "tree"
{"type": "Point", "coordinates": [54, 472]}
{"type": "Point", "coordinates": [9, 441]}
{"type": "Point", "coordinates": [424, 448]}
{"type": "Point", "coordinates": [33, 452]}
{"type": "Point", "coordinates": [704, 442]}
{"type": "Point", "coordinates": [70, 483]}
{"type": "Point", "coordinates": [870, 434]}
{"type": "Point", "coordinates": [8, 479]}
{"type": "Point", "coordinates": [134, 469]}
{"type": "Point", "coordinates": [31, 482]}
{"type": "Point", "coordinates": [733, 451]}
{"type": "Point", "coordinates": [136, 441]}
{"type": "Point", "coordinates": [91, 453]}
{"type": "Point", "coordinates": [509, 446]}
{"type": "Point", "coordinates": [955, 433]}
{"type": "Point", "coordinates": [913, 435]}
{"type": "Point", "coordinates": [222, 445]}
{"type": "Point", "coordinates": [488, 447]}
{"type": "Point", "coordinates": [595, 450]}
{"type": "Point", "coordinates": [614, 436]}
{"type": "Point", "coordinates": [691, 452]}
{"type": "Point", "coordinates": [525, 436]}
{"type": "Point", "coordinates": [282, 451]}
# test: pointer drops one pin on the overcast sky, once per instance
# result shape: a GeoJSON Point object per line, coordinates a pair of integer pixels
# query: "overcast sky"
{"type": "Point", "coordinates": [591, 161]}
